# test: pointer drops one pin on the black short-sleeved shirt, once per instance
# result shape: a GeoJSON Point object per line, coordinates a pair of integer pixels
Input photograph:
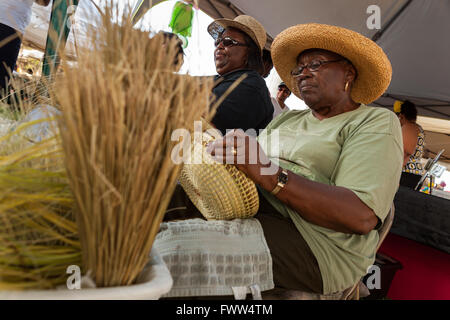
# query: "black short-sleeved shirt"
{"type": "Point", "coordinates": [248, 106]}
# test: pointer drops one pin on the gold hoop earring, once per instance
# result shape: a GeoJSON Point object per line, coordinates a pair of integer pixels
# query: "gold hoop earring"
{"type": "Point", "coordinates": [346, 86]}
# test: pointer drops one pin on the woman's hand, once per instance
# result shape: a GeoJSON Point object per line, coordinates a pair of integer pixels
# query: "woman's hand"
{"type": "Point", "coordinates": [245, 152]}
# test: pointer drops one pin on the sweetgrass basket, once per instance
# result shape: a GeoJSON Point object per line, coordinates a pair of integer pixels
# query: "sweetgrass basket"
{"type": "Point", "coordinates": [219, 191]}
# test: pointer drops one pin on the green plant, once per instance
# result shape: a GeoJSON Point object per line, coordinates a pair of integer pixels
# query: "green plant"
{"type": "Point", "coordinates": [38, 233]}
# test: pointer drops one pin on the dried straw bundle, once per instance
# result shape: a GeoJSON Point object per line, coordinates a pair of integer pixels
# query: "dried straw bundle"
{"type": "Point", "coordinates": [22, 99]}
{"type": "Point", "coordinates": [120, 106]}
{"type": "Point", "coordinates": [38, 233]}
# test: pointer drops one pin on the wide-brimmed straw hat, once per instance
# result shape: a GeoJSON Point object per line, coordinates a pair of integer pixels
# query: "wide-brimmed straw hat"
{"type": "Point", "coordinates": [219, 191]}
{"type": "Point", "coordinates": [246, 24]}
{"type": "Point", "coordinates": [374, 71]}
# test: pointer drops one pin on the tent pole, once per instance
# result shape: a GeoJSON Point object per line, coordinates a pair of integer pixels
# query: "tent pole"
{"type": "Point", "coordinates": [431, 110]}
{"type": "Point", "coordinates": [58, 32]}
{"type": "Point", "coordinates": [215, 9]}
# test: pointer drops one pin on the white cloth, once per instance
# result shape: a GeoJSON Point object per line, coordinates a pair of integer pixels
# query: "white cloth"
{"type": "Point", "coordinates": [16, 13]}
{"type": "Point", "coordinates": [277, 109]}
{"type": "Point", "coordinates": [214, 258]}
{"type": "Point", "coordinates": [44, 129]}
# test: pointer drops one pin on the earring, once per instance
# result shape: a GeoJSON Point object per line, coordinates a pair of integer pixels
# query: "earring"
{"type": "Point", "coordinates": [346, 86]}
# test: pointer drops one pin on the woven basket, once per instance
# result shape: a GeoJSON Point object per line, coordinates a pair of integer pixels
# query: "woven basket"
{"type": "Point", "coordinates": [219, 191]}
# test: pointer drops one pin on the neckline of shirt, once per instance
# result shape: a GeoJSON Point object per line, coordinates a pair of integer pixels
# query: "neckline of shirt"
{"type": "Point", "coordinates": [333, 118]}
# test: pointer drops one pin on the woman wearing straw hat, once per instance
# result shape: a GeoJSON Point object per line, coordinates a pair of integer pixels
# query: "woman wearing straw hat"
{"type": "Point", "coordinates": [239, 44]}
{"type": "Point", "coordinates": [337, 165]}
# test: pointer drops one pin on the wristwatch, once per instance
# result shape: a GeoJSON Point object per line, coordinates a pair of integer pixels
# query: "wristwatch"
{"type": "Point", "coordinates": [282, 180]}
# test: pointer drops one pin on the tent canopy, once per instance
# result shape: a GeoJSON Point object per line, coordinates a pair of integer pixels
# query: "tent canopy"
{"type": "Point", "coordinates": [413, 35]}
{"type": "Point", "coordinates": [36, 33]}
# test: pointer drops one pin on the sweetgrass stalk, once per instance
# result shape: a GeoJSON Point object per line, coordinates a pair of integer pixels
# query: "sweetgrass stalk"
{"type": "Point", "coordinates": [120, 105]}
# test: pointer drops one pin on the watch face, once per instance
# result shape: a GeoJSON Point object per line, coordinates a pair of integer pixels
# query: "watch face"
{"type": "Point", "coordinates": [283, 177]}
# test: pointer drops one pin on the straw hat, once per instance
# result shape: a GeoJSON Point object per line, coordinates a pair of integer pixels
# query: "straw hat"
{"type": "Point", "coordinates": [219, 191]}
{"type": "Point", "coordinates": [246, 24]}
{"type": "Point", "coordinates": [371, 63]}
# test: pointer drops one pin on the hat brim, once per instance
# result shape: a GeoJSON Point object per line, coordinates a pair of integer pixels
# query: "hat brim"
{"type": "Point", "coordinates": [372, 65]}
{"type": "Point", "coordinates": [217, 27]}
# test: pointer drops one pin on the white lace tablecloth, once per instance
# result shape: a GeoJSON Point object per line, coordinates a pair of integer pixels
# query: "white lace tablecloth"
{"type": "Point", "coordinates": [214, 258]}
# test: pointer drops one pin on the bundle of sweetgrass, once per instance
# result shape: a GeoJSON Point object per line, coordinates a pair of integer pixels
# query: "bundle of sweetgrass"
{"type": "Point", "coordinates": [120, 105]}
{"type": "Point", "coordinates": [38, 234]}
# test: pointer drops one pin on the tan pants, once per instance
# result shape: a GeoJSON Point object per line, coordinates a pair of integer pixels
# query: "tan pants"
{"type": "Point", "coordinates": [294, 265]}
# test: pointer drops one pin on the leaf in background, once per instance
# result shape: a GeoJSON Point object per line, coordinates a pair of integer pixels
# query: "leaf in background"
{"type": "Point", "coordinates": [181, 21]}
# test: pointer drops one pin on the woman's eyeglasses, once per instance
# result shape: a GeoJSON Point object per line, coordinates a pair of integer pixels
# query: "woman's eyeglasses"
{"type": "Point", "coordinates": [283, 88]}
{"type": "Point", "coordinates": [228, 42]}
{"type": "Point", "coordinates": [312, 66]}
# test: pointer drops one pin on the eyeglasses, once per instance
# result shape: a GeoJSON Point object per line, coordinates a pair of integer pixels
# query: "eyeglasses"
{"type": "Point", "coordinates": [283, 88]}
{"type": "Point", "coordinates": [228, 42]}
{"type": "Point", "coordinates": [312, 66]}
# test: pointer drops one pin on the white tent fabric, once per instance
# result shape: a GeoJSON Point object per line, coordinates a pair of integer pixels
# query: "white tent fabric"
{"type": "Point", "coordinates": [36, 32]}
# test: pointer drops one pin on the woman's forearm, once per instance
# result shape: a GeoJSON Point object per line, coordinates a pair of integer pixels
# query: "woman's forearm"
{"type": "Point", "coordinates": [332, 207]}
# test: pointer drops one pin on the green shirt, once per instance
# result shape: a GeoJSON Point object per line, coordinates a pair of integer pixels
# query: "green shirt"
{"type": "Point", "coordinates": [361, 150]}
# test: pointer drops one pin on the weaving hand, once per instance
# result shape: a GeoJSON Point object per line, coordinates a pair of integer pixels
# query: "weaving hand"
{"type": "Point", "coordinates": [243, 151]}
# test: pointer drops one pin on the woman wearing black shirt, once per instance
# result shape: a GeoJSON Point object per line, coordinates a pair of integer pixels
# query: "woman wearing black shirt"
{"type": "Point", "coordinates": [239, 45]}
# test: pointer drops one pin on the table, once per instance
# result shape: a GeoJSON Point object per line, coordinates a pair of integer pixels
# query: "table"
{"type": "Point", "coordinates": [423, 218]}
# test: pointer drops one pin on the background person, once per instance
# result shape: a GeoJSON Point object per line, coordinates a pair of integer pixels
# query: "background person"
{"type": "Point", "coordinates": [15, 16]}
{"type": "Point", "coordinates": [413, 143]}
{"type": "Point", "coordinates": [267, 63]}
{"type": "Point", "coordinates": [441, 185]}
{"type": "Point", "coordinates": [413, 136]}
{"type": "Point", "coordinates": [179, 58]}
{"type": "Point", "coordinates": [278, 104]}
